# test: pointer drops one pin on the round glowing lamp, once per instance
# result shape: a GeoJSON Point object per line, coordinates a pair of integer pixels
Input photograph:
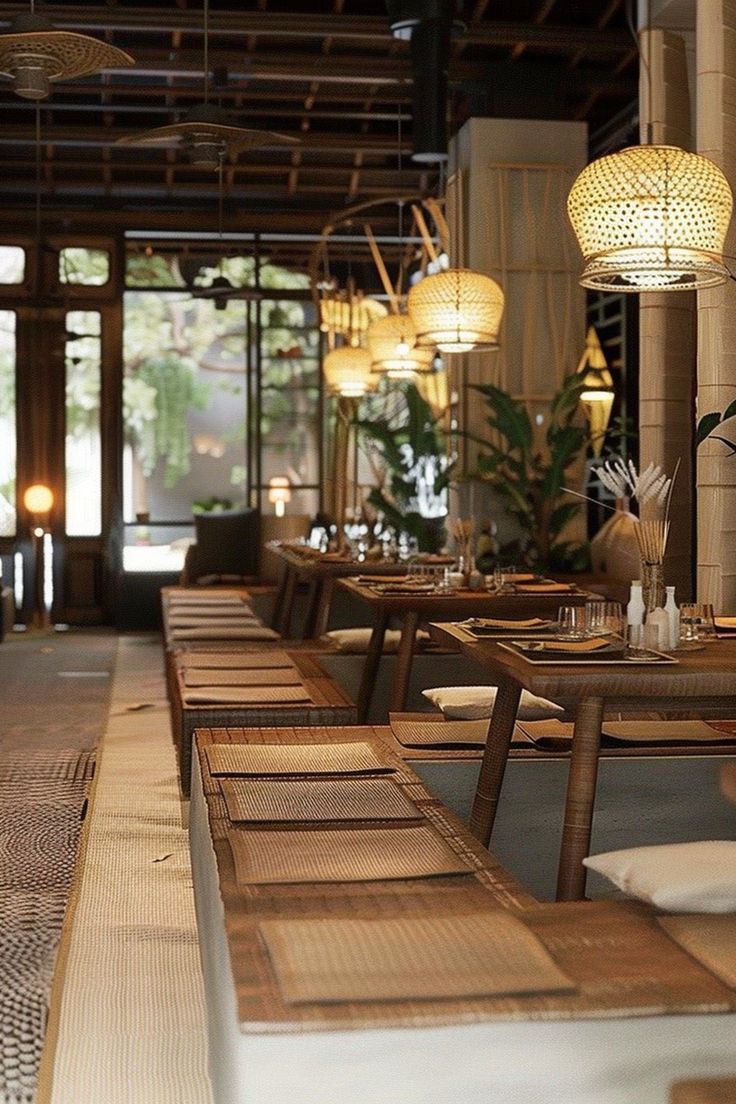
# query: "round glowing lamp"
{"type": "Point", "coordinates": [38, 499]}
{"type": "Point", "coordinates": [279, 493]}
{"type": "Point", "coordinates": [347, 371]}
{"type": "Point", "coordinates": [651, 218]}
{"type": "Point", "coordinates": [457, 310]}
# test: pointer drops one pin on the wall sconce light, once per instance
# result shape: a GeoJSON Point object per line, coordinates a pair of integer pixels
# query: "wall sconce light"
{"type": "Point", "coordinates": [279, 493]}
{"type": "Point", "coordinates": [38, 499]}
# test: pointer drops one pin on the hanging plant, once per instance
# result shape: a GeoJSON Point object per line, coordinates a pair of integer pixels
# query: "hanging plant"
{"type": "Point", "coordinates": [167, 437]}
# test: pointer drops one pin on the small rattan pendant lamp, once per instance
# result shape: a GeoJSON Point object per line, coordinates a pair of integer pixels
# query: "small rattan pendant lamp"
{"type": "Point", "coordinates": [651, 217]}
{"type": "Point", "coordinates": [456, 309]}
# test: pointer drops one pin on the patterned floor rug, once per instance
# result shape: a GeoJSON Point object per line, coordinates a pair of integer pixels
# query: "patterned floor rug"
{"type": "Point", "coordinates": [54, 691]}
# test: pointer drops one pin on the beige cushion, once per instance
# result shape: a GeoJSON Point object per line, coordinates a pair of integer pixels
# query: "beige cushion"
{"type": "Point", "coordinates": [473, 703]}
{"type": "Point", "coordinates": [356, 641]}
{"type": "Point", "coordinates": [677, 877]}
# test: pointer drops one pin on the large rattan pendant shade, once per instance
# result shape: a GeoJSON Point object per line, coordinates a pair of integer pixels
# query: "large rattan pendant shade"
{"type": "Point", "coordinates": [457, 310]}
{"type": "Point", "coordinates": [347, 371]}
{"type": "Point", "coordinates": [393, 348]}
{"type": "Point", "coordinates": [651, 218]}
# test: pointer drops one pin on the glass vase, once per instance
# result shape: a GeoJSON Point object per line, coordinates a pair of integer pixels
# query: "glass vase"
{"type": "Point", "coordinates": [652, 585]}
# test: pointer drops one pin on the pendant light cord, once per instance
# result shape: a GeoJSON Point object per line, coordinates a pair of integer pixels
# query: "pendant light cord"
{"type": "Point", "coordinates": [38, 194]}
{"type": "Point", "coordinates": [206, 60]}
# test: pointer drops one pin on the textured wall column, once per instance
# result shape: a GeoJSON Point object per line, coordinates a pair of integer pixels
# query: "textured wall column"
{"type": "Point", "coordinates": [716, 471]}
{"type": "Point", "coordinates": [667, 343]}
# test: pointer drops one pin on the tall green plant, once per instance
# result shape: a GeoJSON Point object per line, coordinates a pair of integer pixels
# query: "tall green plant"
{"type": "Point", "coordinates": [412, 449]}
{"type": "Point", "coordinates": [530, 480]}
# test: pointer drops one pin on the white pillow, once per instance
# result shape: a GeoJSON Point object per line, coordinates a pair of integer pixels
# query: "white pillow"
{"type": "Point", "coordinates": [474, 703]}
{"type": "Point", "coordinates": [356, 641]}
{"type": "Point", "coordinates": [677, 877]}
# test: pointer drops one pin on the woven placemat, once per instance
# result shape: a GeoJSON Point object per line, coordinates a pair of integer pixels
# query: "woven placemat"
{"type": "Point", "coordinates": [258, 676]}
{"type": "Point", "coordinates": [483, 954]}
{"type": "Point", "coordinates": [557, 735]}
{"type": "Point", "coordinates": [342, 855]}
{"type": "Point", "coordinates": [224, 632]}
{"type": "Point", "coordinates": [440, 734]}
{"type": "Point", "coordinates": [233, 620]}
{"type": "Point", "coordinates": [289, 801]}
{"type": "Point", "coordinates": [224, 661]}
{"type": "Point", "coordinates": [246, 695]}
{"type": "Point", "coordinates": [543, 588]}
{"type": "Point", "coordinates": [294, 759]}
{"type": "Point", "coordinates": [238, 609]}
{"type": "Point", "coordinates": [711, 940]}
{"type": "Point", "coordinates": [210, 597]}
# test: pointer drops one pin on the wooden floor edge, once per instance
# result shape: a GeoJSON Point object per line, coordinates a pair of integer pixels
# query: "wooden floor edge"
{"type": "Point", "coordinates": [45, 1081]}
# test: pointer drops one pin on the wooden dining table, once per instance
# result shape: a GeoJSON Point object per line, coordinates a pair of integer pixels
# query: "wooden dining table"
{"type": "Point", "coordinates": [319, 571]}
{"type": "Point", "coordinates": [413, 609]}
{"type": "Point", "coordinates": [699, 682]}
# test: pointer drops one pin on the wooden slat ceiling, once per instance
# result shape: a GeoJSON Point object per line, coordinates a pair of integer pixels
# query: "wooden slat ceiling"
{"type": "Point", "coordinates": [326, 71]}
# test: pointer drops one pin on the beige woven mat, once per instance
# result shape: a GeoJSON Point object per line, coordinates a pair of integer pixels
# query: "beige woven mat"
{"type": "Point", "coordinates": [224, 661]}
{"type": "Point", "coordinates": [440, 734]}
{"type": "Point", "coordinates": [224, 632]}
{"type": "Point", "coordinates": [208, 604]}
{"type": "Point", "coordinates": [484, 954]}
{"type": "Point", "coordinates": [259, 676]}
{"type": "Point", "coordinates": [260, 800]}
{"type": "Point", "coordinates": [246, 695]}
{"type": "Point", "coordinates": [194, 597]}
{"type": "Point", "coordinates": [558, 734]}
{"type": "Point", "coordinates": [212, 613]}
{"type": "Point", "coordinates": [342, 855]}
{"type": "Point", "coordinates": [709, 939]}
{"type": "Point", "coordinates": [275, 759]}
{"type": "Point", "coordinates": [207, 620]}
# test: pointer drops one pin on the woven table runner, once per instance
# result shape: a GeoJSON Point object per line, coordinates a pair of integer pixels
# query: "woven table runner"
{"type": "Point", "coordinates": [259, 676]}
{"type": "Point", "coordinates": [224, 632]}
{"type": "Point", "coordinates": [264, 801]}
{"type": "Point", "coordinates": [246, 695]}
{"type": "Point", "coordinates": [711, 940]}
{"type": "Point", "coordinates": [484, 954]}
{"type": "Point", "coordinates": [342, 855]}
{"type": "Point", "coordinates": [223, 661]}
{"type": "Point", "coordinates": [294, 759]}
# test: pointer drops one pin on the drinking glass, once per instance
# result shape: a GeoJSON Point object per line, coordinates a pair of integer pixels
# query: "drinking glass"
{"type": "Point", "coordinates": [652, 637]}
{"type": "Point", "coordinates": [572, 623]}
{"type": "Point", "coordinates": [603, 618]}
{"type": "Point", "coordinates": [635, 642]}
{"type": "Point", "coordinates": [696, 622]}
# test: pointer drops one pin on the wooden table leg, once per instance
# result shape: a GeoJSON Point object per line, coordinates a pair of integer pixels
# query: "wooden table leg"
{"type": "Point", "coordinates": [314, 595]}
{"type": "Point", "coordinates": [287, 609]}
{"type": "Point", "coordinates": [370, 667]}
{"type": "Point", "coordinates": [404, 657]}
{"type": "Point", "coordinates": [278, 604]}
{"type": "Point", "coordinates": [322, 613]}
{"type": "Point", "coordinates": [580, 799]}
{"type": "Point", "coordinates": [495, 756]}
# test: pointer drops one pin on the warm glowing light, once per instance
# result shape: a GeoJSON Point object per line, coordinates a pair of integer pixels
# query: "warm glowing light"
{"type": "Point", "coordinates": [457, 310]}
{"type": "Point", "coordinates": [347, 371]}
{"type": "Point", "coordinates": [597, 398]}
{"type": "Point", "coordinates": [38, 499]}
{"type": "Point", "coordinates": [651, 218]}
{"type": "Point", "coordinates": [279, 493]}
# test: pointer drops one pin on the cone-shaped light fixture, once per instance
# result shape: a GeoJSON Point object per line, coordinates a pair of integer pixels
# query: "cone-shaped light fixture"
{"type": "Point", "coordinates": [34, 54]}
{"type": "Point", "coordinates": [651, 218]}
{"type": "Point", "coordinates": [598, 394]}
{"type": "Point", "coordinates": [457, 310]}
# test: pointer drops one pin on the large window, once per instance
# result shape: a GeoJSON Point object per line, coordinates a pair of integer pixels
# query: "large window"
{"type": "Point", "coordinates": [7, 424]}
{"type": "Point", "coordinates": [83, 363]}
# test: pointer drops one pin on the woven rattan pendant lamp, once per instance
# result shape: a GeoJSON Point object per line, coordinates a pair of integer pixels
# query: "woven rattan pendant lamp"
{"type": "Point", "coordinates": [33, 54]}
{"type": "Point", "coordinates": [597, 397]}
{"type": "Point", "coordinates": [651, 218]}
{"type": "Point", "coordinates": [457, 310]}
{"type": "Point", "coordinates": [347, 371]}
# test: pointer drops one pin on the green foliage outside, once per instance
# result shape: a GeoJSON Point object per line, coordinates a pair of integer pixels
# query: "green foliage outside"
{"type": "Point", "coordinates": [530, 480]}
{"type": "Point", "coordinates": [413, 451]}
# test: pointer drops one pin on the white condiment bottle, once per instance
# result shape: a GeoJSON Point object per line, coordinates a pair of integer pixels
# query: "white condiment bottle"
{"type": "Point", "coordinates": [673, 617]}
{"type": "Point", "coordinates": [658, 617]}
{"type": "Point", "coordinates": [635, 610]}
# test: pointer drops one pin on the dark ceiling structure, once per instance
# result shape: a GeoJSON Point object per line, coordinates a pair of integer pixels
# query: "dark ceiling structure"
{"type": "Point", "coordinates": [328, 72]}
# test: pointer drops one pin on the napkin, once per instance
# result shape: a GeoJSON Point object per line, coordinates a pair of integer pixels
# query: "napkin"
{"type": "Point", "coordinates": [500, 623]}
{"type": "Point", "coordinates": [544, 588]}
{"type": "Point", "coordinates": [591, 645]}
